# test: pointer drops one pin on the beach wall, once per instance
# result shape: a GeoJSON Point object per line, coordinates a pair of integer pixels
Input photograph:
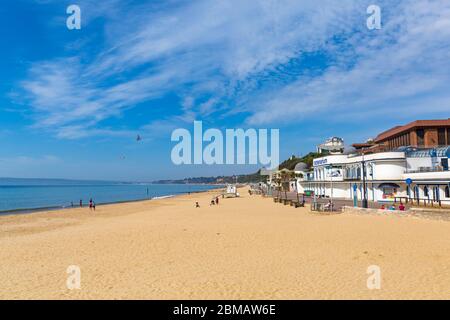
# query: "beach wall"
{"type": "Point", "coordinates": [437, 214]}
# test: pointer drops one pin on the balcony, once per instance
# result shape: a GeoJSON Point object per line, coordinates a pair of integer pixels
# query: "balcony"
{"type": "Point", "coordinates": [426, 169]}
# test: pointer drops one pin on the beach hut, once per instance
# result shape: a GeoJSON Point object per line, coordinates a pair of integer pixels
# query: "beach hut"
{"type": "Point", "coordinates": [231, 191]}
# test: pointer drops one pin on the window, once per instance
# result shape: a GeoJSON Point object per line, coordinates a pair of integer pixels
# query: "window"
{"type": "Point", "coordinates": [420, 137]}
{"type": "Point", "coordinates": [389, 192]}
{"type": "Point", "coordinates": [371, 166]}
{"type": "Point", "coordinates": [444, 163]}
{"type": "Point", "coordinates": [441, 137]}
{"type": "Point", "coordinates": [447, 192]}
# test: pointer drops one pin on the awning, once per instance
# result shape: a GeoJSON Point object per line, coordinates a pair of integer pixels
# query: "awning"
{"type": "Point", "coordinates": [388, 185]}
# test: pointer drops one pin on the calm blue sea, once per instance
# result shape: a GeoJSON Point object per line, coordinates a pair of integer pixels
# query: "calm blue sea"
{"type": "Point", "coordinates": [26, 194]}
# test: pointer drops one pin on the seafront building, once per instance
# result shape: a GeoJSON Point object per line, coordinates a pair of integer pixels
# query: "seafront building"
{"type": "Point", "coordinates": [418, 134]}
{"type": "Point", "coordinates": [407, 163]}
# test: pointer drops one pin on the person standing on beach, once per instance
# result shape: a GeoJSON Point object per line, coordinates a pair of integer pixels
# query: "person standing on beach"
{"type": "Point", "coordinates": [93, 205]}
{"type": "Point", "coordinates": [217, 200]}
{"type": "Point", "coordinates": [90, 204]}
{"type": "Point", "coordinates": [81, 203]}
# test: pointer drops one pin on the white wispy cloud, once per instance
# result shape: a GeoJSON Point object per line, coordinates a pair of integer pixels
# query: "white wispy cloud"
{"type": "Point", "coordinates": [399, 70]}
{"type": "Point", "coordinates": [215, 54]}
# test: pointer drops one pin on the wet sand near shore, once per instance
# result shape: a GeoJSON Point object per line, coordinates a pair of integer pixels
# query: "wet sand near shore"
{"type": "Point", "coordinates": [244, 248]}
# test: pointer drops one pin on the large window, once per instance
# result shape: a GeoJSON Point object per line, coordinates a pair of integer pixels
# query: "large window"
{"type": "Point", "coordinates": [441, 136]}
{"type": "Point", "coordinates": [420, 137]}
{"type": "Point", "coordinates": [447, 192]}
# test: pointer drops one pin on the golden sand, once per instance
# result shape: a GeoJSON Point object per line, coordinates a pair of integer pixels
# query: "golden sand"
{"type": "Point", "coordinates": [245, 248]}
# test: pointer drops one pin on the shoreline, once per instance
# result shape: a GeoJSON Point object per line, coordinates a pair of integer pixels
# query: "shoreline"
{"type": "Point", "coordinates": [25, 211]}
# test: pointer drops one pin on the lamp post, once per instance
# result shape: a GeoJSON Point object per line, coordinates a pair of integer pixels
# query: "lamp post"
{"type": "Point", "coordinates": [331, 182]}
{"type": "Point", "coordinates": [364, 201]}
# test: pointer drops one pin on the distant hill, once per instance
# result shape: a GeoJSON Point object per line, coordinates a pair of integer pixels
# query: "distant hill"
{"type": "Point", "coordinates": [246, 178]}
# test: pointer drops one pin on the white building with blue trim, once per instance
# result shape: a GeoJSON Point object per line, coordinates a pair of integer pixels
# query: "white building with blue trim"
{"type": "Point", "coordinates": [406, 174]}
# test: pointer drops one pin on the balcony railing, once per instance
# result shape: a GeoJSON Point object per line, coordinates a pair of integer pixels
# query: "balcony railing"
{"type": "Point", "coordinates": [426, 169]}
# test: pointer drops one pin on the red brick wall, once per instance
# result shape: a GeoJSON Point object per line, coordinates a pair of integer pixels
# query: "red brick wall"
{"type": "Point", "coordinates": [431, 138]}
{"type": "Point", "coordinates": [413, 138]}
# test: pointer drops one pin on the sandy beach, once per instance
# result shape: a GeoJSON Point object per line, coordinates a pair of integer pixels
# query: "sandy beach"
{"type": "Point", "coordinates": [245, 248]}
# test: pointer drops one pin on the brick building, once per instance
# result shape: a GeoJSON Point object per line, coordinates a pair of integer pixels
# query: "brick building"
{"type": "Point", "coordinates": [419, 134]}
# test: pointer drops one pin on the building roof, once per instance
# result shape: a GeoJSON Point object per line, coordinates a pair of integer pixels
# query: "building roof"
{"type": "Point", "coordinates": [415, 124]}
{"type": "Point", "coordinates": [301, 166]}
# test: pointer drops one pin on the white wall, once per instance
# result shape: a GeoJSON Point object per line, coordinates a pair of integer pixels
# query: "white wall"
{"type": "Point", "coordinates": [443, 175]}
{"type": "Point", "coordinates": [388, 170]}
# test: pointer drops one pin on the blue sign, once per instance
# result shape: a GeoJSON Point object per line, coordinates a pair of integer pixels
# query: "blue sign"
{"type": "Point", "coordinates": [355, 187]}
{"type": "Point", "coordinates": [408, 181]}
{"type": "Point", "coordinates": [320, 162]}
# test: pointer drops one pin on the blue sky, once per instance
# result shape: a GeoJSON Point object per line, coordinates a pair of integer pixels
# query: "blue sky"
{"type": "Point", "coordinates": [73, 101]}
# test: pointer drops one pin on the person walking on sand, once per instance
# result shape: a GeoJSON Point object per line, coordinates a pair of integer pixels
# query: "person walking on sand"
{"type": "Point", "coordinates": [90, 204]}
{"type": "Point", "coordinates": [217, 200]}
{"type": "Point", "coordinates": [81, 203]}
{"type": "Point", "coordinates": [93, 205]}
{"type": "Point", "coordinates": [197, 205]}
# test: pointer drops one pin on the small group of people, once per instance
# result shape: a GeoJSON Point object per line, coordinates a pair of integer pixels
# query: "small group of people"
{"type": "Point", "coordinates": [401, 207]}
{"type": "Point", "coordinates": [214, 202]}
{"type": "Point", "coordinates": [91, 204]}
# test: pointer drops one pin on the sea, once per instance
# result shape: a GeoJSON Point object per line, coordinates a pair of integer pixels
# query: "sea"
{"type": "Point", "coordinates": [30, 195]}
